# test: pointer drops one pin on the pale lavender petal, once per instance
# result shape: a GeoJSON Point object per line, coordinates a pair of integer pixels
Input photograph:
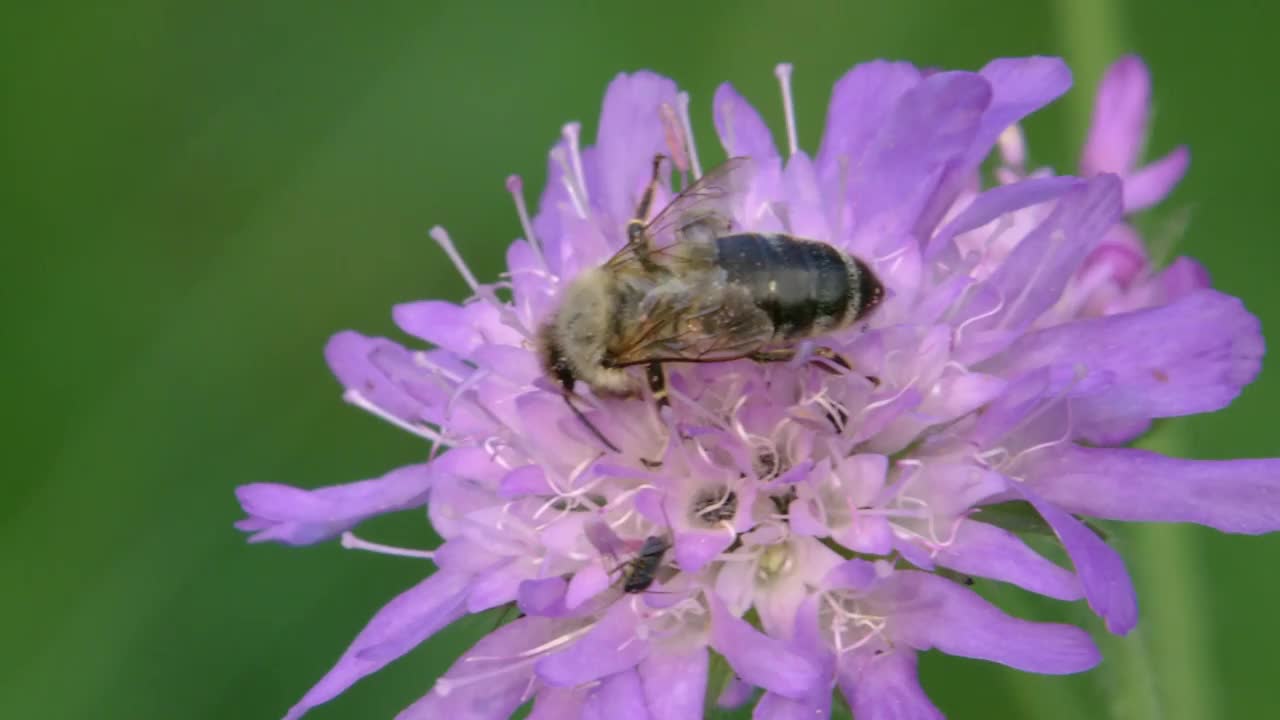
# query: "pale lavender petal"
{"type": "Point", "coordinates": [543, 597]}
{"type": "Point", "coordinates": [361, 364]}
{"type": "Point", "coordinates": [1019, 87]}
{"type": "Point", "coordinates": [1034, 275]}
{"type": "Point", "coordinates": [630, 133]}
{"type": "Point", "coordinates": [1183, 276]}
{"type": "Point", "coordinates": [991, 552]}
{"type": "Point", "coordinates": [1193, 355]}
{"type": "Point", "coordinates": [675, 684]}
{"type": "Point", "coordinates": [933, 612]}
{"type": "Point", "coordinates": [294, 516]}
{"type": "Point", "coordinates": [759, 659]}
{"type": "Point", "coordinates": [886, 687]}
{"type": "Point", "coordinates": [553, 703]}
{"type": "Point", "coordinates": [401, 625]}
{"type": "Point", "coordinates": [1119, 126]}
{"type": "Point", "coordinates": [1100, 568]}
{"type": "Point", "coordinates": [777, 707]}
{"type": "Point", "coordinates": [695, 548]}
{"type": "Point", "coordinates": [998, 201]}
{"type": "Point", "coordinates": [1151, 183]}
{"type": "Point", "coordinates": [742, 131]}
{"type": "Point", "coordinates": [620, 697]}
{"type": "Point", "coordinates": [460, 329]}
{"type": "Point", "coordinates": [861, 102]}
{"type": "Point", "coordinates": [903, 165]}
{"type": "Point", "coordinates": [1236, 496]}
{"type": "Point", "coordinates": [736, 693]}
{"type": "Point", "coordinates": [490, 680]}
{"type": "Point", "coordinates": [611, 646]}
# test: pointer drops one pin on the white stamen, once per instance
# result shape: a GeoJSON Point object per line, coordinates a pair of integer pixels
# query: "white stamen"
{"type": "Point", "coordinates": [783, 71]}
{"type": "Point", "coordinates": [441, 236]}
{"type": "Point", "coordinates": [1013, 148]}
{"type": "Point", "coordinates": [682, 104]}
{"type": "Point", "coordinates": [571, 132]}
{"type": "Point", "coordinates": [515, 186]}
{"type": "Point", "coordinates": [566, 178]}
{"type": "Point", "coordinates": [351, 542]}
{"type": "Point", "coordinates": [356, 398]}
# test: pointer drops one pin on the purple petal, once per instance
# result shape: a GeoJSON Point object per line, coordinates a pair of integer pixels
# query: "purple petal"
{"type": "Point", "coordinates": [375, 367]}
{"type": "Point", "coordinates": [1033, 276]}
{"type": "Point", "coordinates": [553, 703]}
{"type": "Point", "coordinates": [933, 612]}
{"type": "Point", "coordinates": [735, 694]}
{"type": "Point", "coordinates": [743, 133]}
{"type": "Point", "coordinates": [294, 516]}
{"type": "Point", "coordinates": [675, 685]}
{"type": "Point", "coordinates": [1183, 276]}
{"type": "Point", "coordinates": [991, 552]}
{"type": "Point", "coordinates": [620, 697]}
{"type": "Point", "coordinates": [1193, 355]}
{"type": "Point", "coordinates": [611, 646]}
{"type": "Point", "coordinates": [932, 127]}
{"type": "Point", "coordinates": [886, 687]}
{"type": "Point", "coordinates": [1154, 181]}
{"type": "Point", "coordinates": [998, 201]}
{"type": "Point", "coordinates": [1236, 496]}
{"type": "Point", "coordinates": [630, 133]}
{"type": "Point", "coordinates": [460, 329]}
{"type": "Point", "coordinates": [759, 659]}
{"type": "Point", "coordinates": [401, 625]}
{"type": "Point", "coordinates": [490, 680]}
{"type": "Point", "coordinates": [1119, 126]}
{"type": "Point", "coordinates": [777, 707]}
{"type": "Point", "coordinates": [695, 548]}
{"type": "Point", "coordinates": [542, 597]}
{"type": "Point", "coordinates": [1019, 87]}
{"type": "Point", "coordinates": [860, 104]}
{"type": "Point", "coordinates": [1100, 568]}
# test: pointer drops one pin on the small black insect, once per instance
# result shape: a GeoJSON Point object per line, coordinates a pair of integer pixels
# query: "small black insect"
{"type": "Point", "coordinates": [641, 570]}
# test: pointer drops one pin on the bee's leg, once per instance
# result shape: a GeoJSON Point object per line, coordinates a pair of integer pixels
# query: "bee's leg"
{"type": "Point", "coordinates": [568, 400]}
{"type": "Point", "coordinates": [656, 375]}
{"type": "Point", "coordinates": [635, 228]}
{"type": "Point", "coordinates": [835, 413]}
{"type": "Point", "coordinates": [819, 353]}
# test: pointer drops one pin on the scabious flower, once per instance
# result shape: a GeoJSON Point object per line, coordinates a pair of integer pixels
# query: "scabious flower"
{"type": "Point", "coordinates": [796, 533]}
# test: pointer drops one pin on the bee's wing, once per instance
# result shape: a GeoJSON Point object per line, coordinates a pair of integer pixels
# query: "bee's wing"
{"type": "Point", "coordinates": [705, 208]}
{"type": "Point", "coordinates": [700, 213]}
{"type": "Point", "coordinates": [693, 322]}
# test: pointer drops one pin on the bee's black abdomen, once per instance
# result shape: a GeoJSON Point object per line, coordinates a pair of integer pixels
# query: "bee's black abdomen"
{"type": "Point", "coordinates": [803, 286]}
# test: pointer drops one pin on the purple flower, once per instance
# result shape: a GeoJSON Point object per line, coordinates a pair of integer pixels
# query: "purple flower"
{"type": "Point", "coordinates": [811, 531]}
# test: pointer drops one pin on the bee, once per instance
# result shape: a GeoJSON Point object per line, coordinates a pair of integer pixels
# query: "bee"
{"type": "Point", "coordinates": [642, 570]}
{"type": "Point", "coordinates": [688, 288]}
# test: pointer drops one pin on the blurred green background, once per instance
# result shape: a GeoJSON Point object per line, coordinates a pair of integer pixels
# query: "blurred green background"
{"type": "Point", "coordinates": [199, 193]}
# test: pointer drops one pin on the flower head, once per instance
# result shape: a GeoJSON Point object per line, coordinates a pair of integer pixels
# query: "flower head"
{"type": "Point", "coordinates": [814, 528]}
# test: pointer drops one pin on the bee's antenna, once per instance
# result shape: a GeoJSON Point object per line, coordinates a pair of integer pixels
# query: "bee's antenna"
{"type": "Point", "coordinates": [590, 425]}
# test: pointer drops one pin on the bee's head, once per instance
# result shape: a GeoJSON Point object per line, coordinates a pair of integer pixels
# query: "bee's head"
{"type": "Point", "coordinates": [554, 363]}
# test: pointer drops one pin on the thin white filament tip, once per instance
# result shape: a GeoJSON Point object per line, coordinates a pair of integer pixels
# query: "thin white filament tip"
{"type": "Point", "coordinates": [783, 71]}
{"type": "Point", "coordinates": [682, 104]}
{"type": "Point", "coordinates": [351, 542]}
{"type": "Point", "coordinates": [572, 131]}
{"type": "Point", "coordinates": [515, 186]}
{"type": "Point", "coordinates": [566, 178]}
{"type": "Point", "coordinates": [355, 398]}
{"type": "Point", "coordinates": [441, 237]}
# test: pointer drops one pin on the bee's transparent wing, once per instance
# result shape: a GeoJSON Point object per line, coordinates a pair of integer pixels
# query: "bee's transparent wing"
{"type": "Point", "coordinates": [694, 323]}
{"type": "Point", "coordinates": [698, 215]}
